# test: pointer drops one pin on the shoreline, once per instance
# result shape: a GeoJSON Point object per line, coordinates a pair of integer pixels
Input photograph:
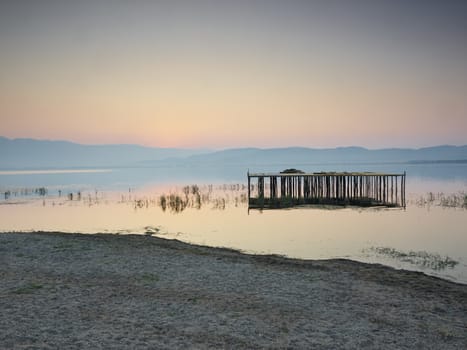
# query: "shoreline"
{"type": "Point", "coordinates": [250, 253]}
{"type": "Point", "coordinates": [107, 290]}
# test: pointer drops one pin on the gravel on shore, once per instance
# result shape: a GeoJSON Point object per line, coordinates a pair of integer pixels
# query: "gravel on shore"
{"type": "Point", "coordinates": [75, 291]}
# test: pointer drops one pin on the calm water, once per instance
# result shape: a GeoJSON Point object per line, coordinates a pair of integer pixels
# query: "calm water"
{"type": "Point", "coordinates": [430, 235]}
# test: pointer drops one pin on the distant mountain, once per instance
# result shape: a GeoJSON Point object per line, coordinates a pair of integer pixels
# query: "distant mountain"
{"type": "Point", "coordinates": [30, 153]}
{"type": "Point", "coordinates": [342, 155]}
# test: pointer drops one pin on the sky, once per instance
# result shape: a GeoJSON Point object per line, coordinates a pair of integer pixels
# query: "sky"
{"type": "Point", "coordinates": [222, 74]}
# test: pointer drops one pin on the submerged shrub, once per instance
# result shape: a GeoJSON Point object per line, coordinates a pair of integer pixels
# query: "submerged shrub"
{"type": "Point", "coordinates": [163, 202]}
{"type": "Point", "coordinates": [420, 258]}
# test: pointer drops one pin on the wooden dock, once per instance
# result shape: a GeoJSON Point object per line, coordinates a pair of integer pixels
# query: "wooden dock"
{"type": "Point", "coordinates": [365, 189]}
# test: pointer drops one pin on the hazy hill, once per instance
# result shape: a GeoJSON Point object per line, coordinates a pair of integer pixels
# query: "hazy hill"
{"type": "Point", "coordinates": [342, 155]}
{"type": "Point", "coordinates": [28, 153]}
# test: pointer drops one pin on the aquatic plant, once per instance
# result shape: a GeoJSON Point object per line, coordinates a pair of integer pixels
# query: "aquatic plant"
{"type": "Point", "coordinates": [41, 191]}
{"type": "Point", "coordinates": [186, 190]}
{"type": "Point", "coordinates": [197, 201]}
{"type": "Point", "coordinates": [219, 203]}
{"type": "Point", "coordinates": [194, 189]}
{"type": "Point", "coordinates": [141, 203]}
{"type": "Point", "coordinates": [163, 202]}
{"type": "Point", "coordinates": [195, 197]}
{"type": "Point", "coordinates": [453, 200]}
{"type": "Point", "coordinates": [24, 192]}
{"type": "Point", "coordinates": [176, 203]}
{"type": "Point", "coordinates": [420, 258]}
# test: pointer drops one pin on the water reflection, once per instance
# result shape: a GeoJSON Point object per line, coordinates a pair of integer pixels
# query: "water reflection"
{"type": "Point", "coordinates": [217, 215]}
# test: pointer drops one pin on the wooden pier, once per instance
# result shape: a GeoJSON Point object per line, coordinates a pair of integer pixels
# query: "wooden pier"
{"type": "Point", "coordinates": [365, 189]}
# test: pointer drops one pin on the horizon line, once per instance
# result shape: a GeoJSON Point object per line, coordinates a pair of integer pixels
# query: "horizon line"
{"type": "Point", "coordinates": [220, 149]}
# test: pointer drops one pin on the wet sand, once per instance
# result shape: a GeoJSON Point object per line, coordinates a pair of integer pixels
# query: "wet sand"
{"type": "Point", "coordinates": [61, 290]}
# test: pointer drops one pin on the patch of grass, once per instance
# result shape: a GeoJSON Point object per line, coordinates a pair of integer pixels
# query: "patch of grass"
{"type": "Point", "coordinates": [63, 246]}
{"type": "Point", "coordinates": [27, 288]}
{"type": "Point", "coordinates": [195, 251]}
{"type": "Point", "coordinates": [193, 300]}
{"type": "Point", "coordinates": [382, 321]}
{"type": "Point", "coordinates": [149, 278]}
{"type": "Point", "coordinates": [446, 333]}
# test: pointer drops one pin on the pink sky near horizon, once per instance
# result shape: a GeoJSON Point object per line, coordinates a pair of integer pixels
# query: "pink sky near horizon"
{"type": "Point", "coordinates": [235, 74]}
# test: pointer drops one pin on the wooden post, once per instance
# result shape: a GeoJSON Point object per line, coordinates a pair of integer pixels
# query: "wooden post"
{"type": "Point", "coordinates": [385, 180]}
{"type": "Point", "coordinates": [336, 178]}
{"type": "Point", "coordinates": [397, 190]}
{"type": "Point", "coordinates": [404, 190]}
{"type": "Point", "coordinates": [248, 175]}
{"type": "Point", "coordinates": [271, 187]}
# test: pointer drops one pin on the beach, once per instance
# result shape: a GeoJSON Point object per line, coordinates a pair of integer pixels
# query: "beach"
{"type": "Point", "coordinates": [101, 291]}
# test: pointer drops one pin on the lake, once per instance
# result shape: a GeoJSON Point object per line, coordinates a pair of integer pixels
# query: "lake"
{"type": "Point", "coordinates": [429, 235]}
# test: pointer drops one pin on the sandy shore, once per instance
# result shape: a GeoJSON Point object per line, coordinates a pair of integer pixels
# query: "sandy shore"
{"type": "Point", "coordinates": [71, 291]}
